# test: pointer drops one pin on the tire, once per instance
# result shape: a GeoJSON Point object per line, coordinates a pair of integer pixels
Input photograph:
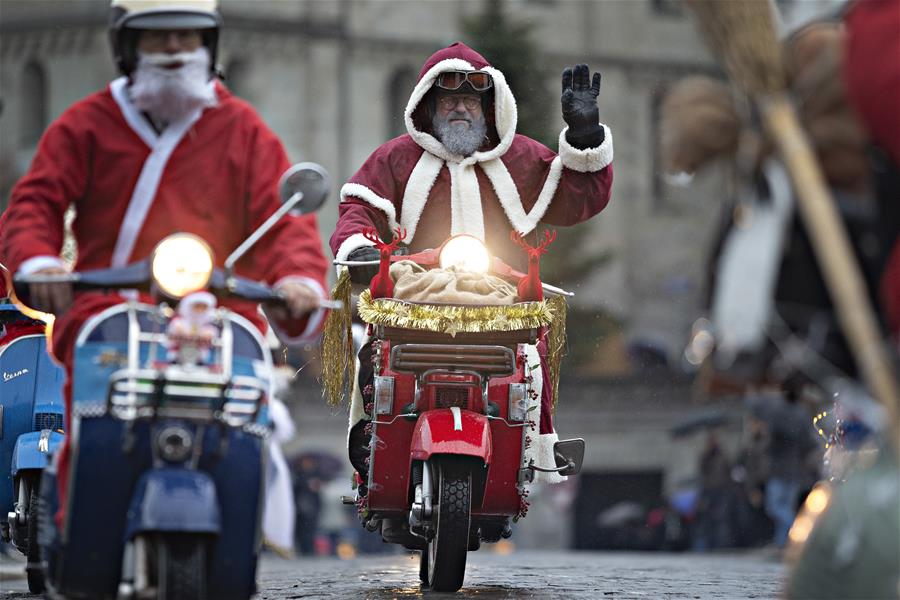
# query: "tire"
{"type": "Point", "coordinates": [34, 570]}
{"type": "Point", "coordinates": [452, 519]}
{"type": "Point", "coordinates": [181, 568]}
{"type": "Point", "coordinates": [423, 567]}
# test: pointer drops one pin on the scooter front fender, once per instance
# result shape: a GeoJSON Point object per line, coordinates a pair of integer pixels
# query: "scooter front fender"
{"type": "Point", "coordinates": [33, 449]}
{"type": "Point", "coordinates": [452, 431]}
{"type": "Point", "coordinates": [176, 500]}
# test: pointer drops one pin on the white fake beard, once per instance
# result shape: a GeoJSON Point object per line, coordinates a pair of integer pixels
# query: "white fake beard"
{"type": "Point", "coordinates": [170, 95]}
{"type": "Point", "coordinates": [458, 140]}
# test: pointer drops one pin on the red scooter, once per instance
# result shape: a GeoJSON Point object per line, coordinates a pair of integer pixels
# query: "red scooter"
{"type": "Point", "coordinates": [451, 416]}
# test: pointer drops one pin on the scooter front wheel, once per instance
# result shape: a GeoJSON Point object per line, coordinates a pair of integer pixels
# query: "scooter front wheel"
{"type": "Point", "coordinates": [34, 571]}
{"type": "Point", "coordinates": [181, 567]}
{"type": "Point", "coordinates": [452, 518]}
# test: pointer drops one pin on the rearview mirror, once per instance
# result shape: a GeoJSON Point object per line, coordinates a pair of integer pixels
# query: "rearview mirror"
{"type": "Point", "coordinates": [569, 454]}
{"type": "Point", "coordinates": [305, 187]}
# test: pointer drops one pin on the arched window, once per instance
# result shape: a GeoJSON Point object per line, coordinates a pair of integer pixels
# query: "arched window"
{"type": "Point", "coordinates": [34, 103]}
{"type": "Point", "coordinates": [400, 86]}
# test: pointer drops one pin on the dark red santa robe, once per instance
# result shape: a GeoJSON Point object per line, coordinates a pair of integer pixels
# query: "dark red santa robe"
{"type": "Point", "coordinates": [513, 182]}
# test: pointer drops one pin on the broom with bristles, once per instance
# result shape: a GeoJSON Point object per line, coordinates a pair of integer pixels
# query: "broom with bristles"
{"type": "Point", "coordinates": [742, 33]}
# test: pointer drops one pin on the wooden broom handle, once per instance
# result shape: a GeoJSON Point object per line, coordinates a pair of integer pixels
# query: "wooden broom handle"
{"type": "Point", "coordinates": [835, 255]}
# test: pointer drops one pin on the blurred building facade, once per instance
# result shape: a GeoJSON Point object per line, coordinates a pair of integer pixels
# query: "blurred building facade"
{"type": "Point", "coordinates": [331, 77]}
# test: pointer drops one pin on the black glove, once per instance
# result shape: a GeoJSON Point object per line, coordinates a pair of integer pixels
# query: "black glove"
{"type": "Point", "coordinates": [364, 274]}
{"type": "Point", "coordinates": [579, 107]}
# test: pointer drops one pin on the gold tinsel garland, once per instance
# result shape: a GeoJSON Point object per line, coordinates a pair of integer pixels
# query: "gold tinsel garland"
{"type": "Point", "coordinates": [338, 360]}
{"type": "Point", "coordinates": [453, 319]}
{"type": "Point", "coordinates": [556, 343]}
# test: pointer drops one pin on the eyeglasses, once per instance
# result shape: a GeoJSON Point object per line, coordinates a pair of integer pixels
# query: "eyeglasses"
{"type": "Point", "coordinates": [450, 102]}
{"type": "Point", "coordinates": [453, 80]}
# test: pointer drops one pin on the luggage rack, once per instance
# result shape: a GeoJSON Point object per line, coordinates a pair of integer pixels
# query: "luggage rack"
{"type": "Point", "coordinates": [509, 339]}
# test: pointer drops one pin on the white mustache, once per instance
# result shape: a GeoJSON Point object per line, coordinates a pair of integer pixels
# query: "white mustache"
{"type": "Point", "coordinates": [161, 59]}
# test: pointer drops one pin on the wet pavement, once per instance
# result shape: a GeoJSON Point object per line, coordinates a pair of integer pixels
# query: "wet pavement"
{"type": "Point", "coordinates": [533, 575]}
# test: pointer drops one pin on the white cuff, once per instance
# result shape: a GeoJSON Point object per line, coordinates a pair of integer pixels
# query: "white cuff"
{"type": "Point", "coordinates": [315, 317]}
{"type": "Point", "coordinates": [590, 159]}
{"type": "Point", "coordinates": [357, 190]}
{"type": "Point", "coordinates": [357, 240]}
{"type": "Point", "coordinates": [36, 263]}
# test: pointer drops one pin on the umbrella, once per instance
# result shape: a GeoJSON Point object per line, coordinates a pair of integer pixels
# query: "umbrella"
{"type": "Point", "coordinates": [317, 464]}
{"type": "Point", "coordinates": [700, 421]}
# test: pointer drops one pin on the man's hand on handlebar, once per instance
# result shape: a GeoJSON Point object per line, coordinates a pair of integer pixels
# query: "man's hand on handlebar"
{"type": "Point", "coordinates": [55, 298]}
{"type": "Point", "coordinates": [299, 300]}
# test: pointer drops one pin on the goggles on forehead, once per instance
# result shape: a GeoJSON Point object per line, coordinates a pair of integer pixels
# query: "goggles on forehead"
{"type": "Point", "coordinates": [453, 80]}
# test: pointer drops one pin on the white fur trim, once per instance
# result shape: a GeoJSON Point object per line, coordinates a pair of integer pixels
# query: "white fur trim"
{"type": "Point", "coordinates": [418, 187]}
{"type": "Point", "coordinates": [466, 215]}
{"type": "Point", "coordinates": [357, 190]}
{"type": "Point", "coordinates": [357, 240]}
{"type": "Point", "coordinates": [147, 184]}
{"type": "Point", "coordinates": [315, 318]}
{"type": "Point", "coordinates": [542, 449]}
{"type": "Point", "coordinates": [36, 263]}
{"type": "Point", "coordinates": [357, 410]}
{"type": "Point", "coordinates": [589, 160]}
{"type": "Point", "coordinates": [505, 113]}
{"type": "Point", "coordinates": [506, 191]}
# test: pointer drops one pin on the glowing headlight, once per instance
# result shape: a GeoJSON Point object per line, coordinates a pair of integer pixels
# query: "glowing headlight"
{"type": "Point", "coordinates": [181, 264]}
{"type": "Point", "coordinates": [465, 253]}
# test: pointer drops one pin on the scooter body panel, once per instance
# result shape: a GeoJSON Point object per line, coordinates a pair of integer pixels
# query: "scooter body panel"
{"type": "Point", "coordinates": [30, 400]}
{"type": "Point", "coordinates": [452, 431]}
{"type": "Point", "coordinates": [116, 490]}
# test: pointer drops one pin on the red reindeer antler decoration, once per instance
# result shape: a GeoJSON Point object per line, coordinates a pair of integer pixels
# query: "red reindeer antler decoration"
{"type": "Point", "coordinates": [530, 287]}
{"type": "Point", "coordinates": [382, 286]}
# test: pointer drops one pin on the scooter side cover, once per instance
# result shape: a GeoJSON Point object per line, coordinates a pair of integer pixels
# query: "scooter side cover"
{"type": "Point", "coordinates": [27, 453]}
{"type": "Point", "coordinates": [175, 500]}
{"type": "Point", "coordinates": [449, 431]}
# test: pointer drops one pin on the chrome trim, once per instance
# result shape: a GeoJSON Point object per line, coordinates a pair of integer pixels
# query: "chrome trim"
{"type": "Point", "coordinates": [457, 418]}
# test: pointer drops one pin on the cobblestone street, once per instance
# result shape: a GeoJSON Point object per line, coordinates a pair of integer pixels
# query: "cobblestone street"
{"type": "Point", "coordinates": [544, 576]}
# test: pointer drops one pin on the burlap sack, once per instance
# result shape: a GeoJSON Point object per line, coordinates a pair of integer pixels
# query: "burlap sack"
{"type": "Point", "coordinates": [414, 284]}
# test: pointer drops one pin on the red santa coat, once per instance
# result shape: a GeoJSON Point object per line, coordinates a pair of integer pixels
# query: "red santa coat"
{"type": "Point", "coordinates": [513, 182]}
{"type": "Point", "coordinates": [213, 174]}
{"type": "Point", "coordinates": [872, 77]}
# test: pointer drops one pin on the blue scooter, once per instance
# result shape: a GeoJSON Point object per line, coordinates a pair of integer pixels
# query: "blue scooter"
{"type": "Point", "coordinates": [31, 429]}
{"type": "Point", "coordinates": [168, 442]}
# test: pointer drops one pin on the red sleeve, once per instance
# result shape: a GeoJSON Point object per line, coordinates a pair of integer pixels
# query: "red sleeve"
{"type": "Point", "coordinates": [32, 225]}
{"type": "Point", "coordinates": [373, 197]}
{"type": "Point", "coordinates": [579, 196]}
{"type": "Point", "coordinates": [293, 247]}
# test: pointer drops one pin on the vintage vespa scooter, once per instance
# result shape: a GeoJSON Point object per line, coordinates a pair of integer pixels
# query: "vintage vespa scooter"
{"type": "Point", "coordinates": [31, 429]}
{"type": "Point", "coordinates": [453, 415]}
{"type": "Point", "coordinates": [168, 439]}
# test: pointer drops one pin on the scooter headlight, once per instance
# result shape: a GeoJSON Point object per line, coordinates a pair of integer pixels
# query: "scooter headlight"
{"type": "Point", "coordinates": [182, 263]}
{"type": "Point", "coordinates": [465, 253]}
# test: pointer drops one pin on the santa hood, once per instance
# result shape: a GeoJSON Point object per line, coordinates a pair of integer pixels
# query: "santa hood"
{"type": "Point", "coordinates": [459, 57]}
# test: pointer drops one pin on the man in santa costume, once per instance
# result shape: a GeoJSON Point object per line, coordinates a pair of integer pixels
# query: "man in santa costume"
{"type": "Point", "coordinates": [461, 168]}
{"type": "Point", "coordinates": [165, 148]}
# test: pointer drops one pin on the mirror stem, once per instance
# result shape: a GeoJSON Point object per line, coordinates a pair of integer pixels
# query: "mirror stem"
{"type": "Point", "coordinates": [241, 250]}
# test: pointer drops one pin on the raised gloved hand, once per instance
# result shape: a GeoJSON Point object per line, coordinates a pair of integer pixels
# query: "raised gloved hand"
{"type": "Point", "coordinates": [579, 107]}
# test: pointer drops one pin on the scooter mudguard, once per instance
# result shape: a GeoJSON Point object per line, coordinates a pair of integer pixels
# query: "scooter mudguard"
{"type": "Point", "coordinates": [174, 500]}
{"type": "Point", "coordinates": [451, 431]}
{"type": "Point", "coordinates": [33, 450]}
